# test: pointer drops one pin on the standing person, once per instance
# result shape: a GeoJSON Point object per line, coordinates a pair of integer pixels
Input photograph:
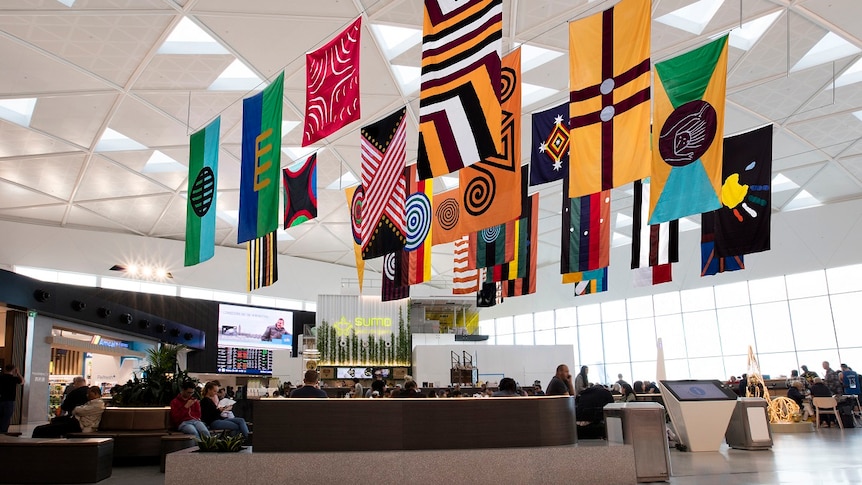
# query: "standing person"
{"type": "Point", "coordinates": [618, 386]}
{"type": "Point", "coordinates": [831, 379]}
{"type": "Point", "coordinates": [808, 375]}
{"type": "Point", "coordinates": [309, 386]}
{"type": "Point", "coordinates": [84, 418]}
{"type": "Point", "coordinates": [561, 383]}
{"type": "Point", "coordinates": [581, 381]}
{"type": "Point", "coordinates": [274, 332]}
{"type": "Point", "coordinates": [378, 384]}
{"type": "Point", "coordinates": [211, 414]}
{"type": "Point", "coordinates": [186, 412]}
{"type": "Point", "coordinates": [10, 379]}
{"type": "Point", "coordinates": [357, 388]}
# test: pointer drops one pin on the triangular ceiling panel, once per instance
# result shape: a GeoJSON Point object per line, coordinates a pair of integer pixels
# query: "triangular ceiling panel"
{"type": "Point", "coordinates": [44, 74]}
{"type": "Point", "coordinates": [87, 219]}
{"type": "Point", "coordinates": [177, 71]}
{"type": "Point", "coordinates": [76, 119]}
{"type": "Point", "coordinates": [12, 195]}
{"type": "Point", "coordinates": [43, 214]}
{"type": "Point", "coordinates": [106, 179]}
{"type": "Point", "coordinates": [139, 214]}
{"type": "Point", "coordinates": [19, 141]}
{"type": "Point", "coordinates": [56, 176]}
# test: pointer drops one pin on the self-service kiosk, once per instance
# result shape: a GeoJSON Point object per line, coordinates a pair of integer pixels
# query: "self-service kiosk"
{"type": "Point", "coordinates": [700, 410]}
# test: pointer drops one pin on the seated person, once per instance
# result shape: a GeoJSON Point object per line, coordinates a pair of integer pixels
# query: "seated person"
{"type": "Point", "coordinates": [819, 389]}
{"type": "Point", "coordinates": [186, 412]}
{"type": "Point", "coordinates": [628, 394]}
{"type": "Point", "coordinates": [590, 406]}
{"type": "Point", "coordinates": [309, 386]}
{"type": "Point", "coordinates": [410, 390]}
{"type": "Point", "coordinates": [85, 418]}
{"type": "Point", "coordinates": [227, 411]}
{"type": "Point", "coordinates": [796, 392]}
{"type": "Point", "coordinates": [211, 414]}
{"type": "Point", "coordinates": [507, 388]}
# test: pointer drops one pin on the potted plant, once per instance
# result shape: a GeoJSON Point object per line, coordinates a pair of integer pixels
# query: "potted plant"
{"type": "Point", "coordinates": [160, 382]}
{"type": "Point", "coordinates": [221, 443]}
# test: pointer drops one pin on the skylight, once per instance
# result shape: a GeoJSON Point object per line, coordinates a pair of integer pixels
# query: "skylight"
{"type": "Point", "coordinates": [188, 38]}
{"type": "Point", "coordinates": [803, 200]}
{"type": "Point", "coordinates": [780, 183]}
{"type": "Point", "coordinates": [395, 40]}
{"type": "Point", "coordinates": [161, 163]}
{"type": "Point", "coordinates": [114, 141]}
{"type": "Point", "coordinates": [237, 77]}
{"type": "Point", "coordinates": [287, 126]}
{"type": "Point", "coordinates": [623, 220]}
{"type": "Point", "coordinates": [18, 111]}
{"type": "Point", "coordinates": [346, 180]}
{"type": "Point", "coordinates": [299, 153]}
{"type": "Point", "coordinates": [407, 77]}
{"type": "Point", "coordinates": [746, 36]}
{"type": "Point", "coordinates": [852, 75]}
{"type": "Point", "coordinates": [68, 3]}
{"type": "Point", "coordinates": [533, 57]}
{"type": "Point", "coordinates": [282, 235]}
{"type": "Point", "coordinates": [686, 224]}
{"type": "Point", "coordinates": [692, 18]}
{"type": "Point", "coordinates": [830, 48]}
{"type": "Point", "coordinates": [450, 182]}
{"type": "Point", "coordinates": [620, 240]}
{"type": "Point", "coordinates": [531, 93]}
{"type": "Point", "coordinates": [231, 216]}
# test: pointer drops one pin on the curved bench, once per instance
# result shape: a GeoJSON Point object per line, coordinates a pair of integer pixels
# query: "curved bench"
{"type": "Point", "coordinates": [137, 432]}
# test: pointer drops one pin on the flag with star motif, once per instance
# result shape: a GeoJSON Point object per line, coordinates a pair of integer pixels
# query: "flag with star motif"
{"type": "Point", "coordinates": [549, 153]}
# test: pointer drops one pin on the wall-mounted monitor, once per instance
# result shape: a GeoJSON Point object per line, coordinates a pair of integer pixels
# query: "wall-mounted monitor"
{"type": "Point", "coordinates": [236, 360]}
{"type": "Point", "coordinates": [252, 327]}
{"type": "Point", "coordinates": [351, 372]}
{"type": "Point", "coordinates": [699, 390]}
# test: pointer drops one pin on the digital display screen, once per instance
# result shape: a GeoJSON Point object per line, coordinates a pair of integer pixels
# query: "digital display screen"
{"type": "Point", "coordinates": [249, 327]}
{"type": "Point", "coordinates": [351, 372]}
{"type": "Point", "coordinates": [235, 360]}
{"type": "Point", "coordinates": [693, 390]}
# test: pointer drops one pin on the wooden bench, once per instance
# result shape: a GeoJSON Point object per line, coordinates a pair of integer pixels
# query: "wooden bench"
{"type": "Point", "coordinates": [137, 431]}
{"type": "Point", "coordinates": [175, 442]}
{"type": "Point", "coordinates": [56, 460]}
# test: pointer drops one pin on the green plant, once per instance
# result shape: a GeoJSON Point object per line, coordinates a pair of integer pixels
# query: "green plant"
{"type": "Point", "coordinates": [220, 443]}
{"type": "Point", "coordinates": [160, 381]}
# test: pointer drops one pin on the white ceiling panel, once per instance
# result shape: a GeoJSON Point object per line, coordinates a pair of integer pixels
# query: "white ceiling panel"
{"type": "Point", "coordinates": [105, 179]}
{"type": "Point", "coordinates": [56, 176]}
{"type": "Point", "coordinates": [77, 119]}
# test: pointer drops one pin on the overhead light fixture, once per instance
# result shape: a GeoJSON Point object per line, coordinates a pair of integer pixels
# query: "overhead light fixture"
{"type": "Point", "coordinates": [145, 271]}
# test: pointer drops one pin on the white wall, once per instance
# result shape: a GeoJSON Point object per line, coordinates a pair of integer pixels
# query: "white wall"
{"type": "Point", "coordinates": [524, 363]}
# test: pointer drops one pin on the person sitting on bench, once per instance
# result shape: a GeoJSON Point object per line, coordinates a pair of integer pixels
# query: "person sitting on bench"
{"type": "Point", "coordinates": [85, 418]}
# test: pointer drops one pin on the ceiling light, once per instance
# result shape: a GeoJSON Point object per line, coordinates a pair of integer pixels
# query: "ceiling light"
{"type": "Point", "coordinates": [161, 273]}
{"type": "Point", "coordinates": [146, 271]}
{"type": "Point", "coordinates": [132, 269]}
{"type": "Point", "coordinates": [692, 18]}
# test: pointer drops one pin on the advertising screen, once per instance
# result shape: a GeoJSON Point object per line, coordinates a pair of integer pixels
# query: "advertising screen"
{"type": "Point", "coordinates": [692, 390]}
{"type": "Point", "coordinates": [351, 372]}
{"type": "Point", "coordinates": [249, 327]}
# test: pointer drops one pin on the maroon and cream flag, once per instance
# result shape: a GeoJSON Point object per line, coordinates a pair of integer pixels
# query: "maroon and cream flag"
{"type": "Point", "coordinates": [465, 280]}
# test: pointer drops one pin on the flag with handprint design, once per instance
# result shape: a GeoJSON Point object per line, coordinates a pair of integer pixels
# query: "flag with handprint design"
{"type": "Point", "coordinates": [689, 93]}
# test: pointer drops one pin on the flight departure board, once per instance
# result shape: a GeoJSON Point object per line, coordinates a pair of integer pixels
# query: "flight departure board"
{"type": "Point", "coordinates": [237, 360]}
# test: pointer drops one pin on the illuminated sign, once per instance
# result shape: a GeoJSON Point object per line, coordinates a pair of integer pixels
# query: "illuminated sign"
{"type": "Point", "coordinates": [362, 326]}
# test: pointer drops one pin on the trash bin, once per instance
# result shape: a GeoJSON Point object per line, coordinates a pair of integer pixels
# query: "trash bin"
{"type": "Point", "coordinates": [749, 425]}
{"type": "Point", "coordinates": [642, 425]}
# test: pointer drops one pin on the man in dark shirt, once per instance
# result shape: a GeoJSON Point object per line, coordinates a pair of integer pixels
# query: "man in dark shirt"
{"type": "Point", "coordinates": [309, 386]}
{"type": "Point", "coordinates": [378, 384]}
{"type": "Point", "coordinates": [9, 381]}
{"type": "Point", "coordinates": [561, 383]}
{"type": "Point", "coordinates": [78, 396]}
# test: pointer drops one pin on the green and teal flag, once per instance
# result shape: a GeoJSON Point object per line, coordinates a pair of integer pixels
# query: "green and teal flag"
{"type": "Point", "coordinates": [201, 201]}
{"type": "Point", "coordinates": [260, 171]}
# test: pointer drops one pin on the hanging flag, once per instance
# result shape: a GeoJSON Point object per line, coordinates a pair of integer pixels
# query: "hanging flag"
{"type": "Point", "coordinates": [464, 280]}
{"type": "Point", "coordinates": [492, 246]}
{"type": "Point", "coordinates": [489, 188]}
{"type": "Point", "coordinates": [743, 222]}
{"type": "Point", "coordinates": [262, 261]}
{"type": "Point", "coordinates": [577, 276]}
{"type": "Point", "coordinates": [446, 226]}
{"type": "Point", "coordinates": [586, 232]}
{"type": "Point", "coordinates": [549, 153]}
{"type": "Point", "coordinates": [652, 244]}
{"type": "Point", "coordinates": [652, 275]}
{"type": "Point", "coordinates": [392, 288]}
{"type": "Point", "coordinates": [332, 85]}
{"type": "Point", "coordinates": [261, 162]}
{"type": "Point", "coordinates": [459, 97]}
{"type": "Point", "coordinates": [589, 286]}
{"type": "Point", "coordinates": [519, 236]}
{"type": "Point", "coordinates": [710, 262]}
{"type": "Point", "coordinates": [521, 271]}
{"type": "Point", "coordinates": [609, 75]}
{"type": "Point", "coordinates": [355, 201]}
{"type": "Point", "coordinates": [418, 220]}
{"type": "Point", "coordinates": [300, 192]}
{"type": "Point", "coordinates": [383, 161]}
{"type": "Point", "coordinates": [202, 191]}
{"type": "Point", "coordinates": [689, 122]}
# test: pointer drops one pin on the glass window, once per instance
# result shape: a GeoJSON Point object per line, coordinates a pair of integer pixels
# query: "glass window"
{"type": "Point", "coordinates": [701, 334]}
{"type": "Point", "coordinates": [844, 279]}
{"type": "Point", "coordinates": [613, 311]}
{"type": "Point", "coordinates": [524, 323]}
{"type": "Point", "coordinates": [846, 309]}
{"type": "Point", "coordinates": [639, 307]}
{"type": "Point", "coordinates": [731, 295]}
{"type": "Point", "coordinates": [189, 292]}
{"type": "Point", "coordinates": [292, 304]}
{"type": "Point", "coordinates": [614, 371]}
{"type": "Point", "coordinates": [543, 320]}
{"type": "Point", "coordinates": [569, 336]}
{"type": "Point", "coordinates": [545, 337]}
{"type": "Point", "coordinates": [676, 369]}
{"type": "Point", "coordinates": [309, 306]}
{"type": "Point", "coordinates": [229, 297]}
{"type": "Point", "coordinates": [812, 323]}
{"type": "Point", "coordinates": [737, 332]}
{"type": "Point", "coordinates": [590, 344]}
{"type": "Point", "coordinates": [735, 365]}
{"type": "Point", "coordinates": [507, 339]}
{"type": "Point", "coordinates": [121, 284]}
{"type": "Point", "coordinates": [158, 289]}
{"type": "Point", "coordinates": [524, 338]}
{"type": "Point", "coordinates": [486, 327]}
{"type": "Point", "coordinates": [697, 299]}
{"type": "Point", "coordinates": [261, 301]}
{"type": "Point", "coordinates": [504, 326]}
{"type": "Point", "coordinates": [589, 314]}
{"type": "Point", "coordinates": [78, 279]}
{"type": "Point", "coordinates": [772, 327]}
{"type": "Point", "coordinates": [851, 355]}
{"type": "Point", "coordinates": [566, 317]}
{"type": "Point", "coordinates": [707, 368]}
{"type": "Point", "coordinates": [642, 371]}
{"type": "Point", "coordinates": [616, 341]}
{"type": "Point", "coordinates": [802, 285]}
{"type": "Point", "coordinates": [767, 290]}
{"type": "Point", "coordinates": [666, 303]}
{"type": "Point", "coordinates": [642, 339]}
{"type": "Point", "coordinates": [669, 329]}
{"type": "Point", "coordinates": [39, 274]}
{"type": "Point", "coordinates": [781, 363]}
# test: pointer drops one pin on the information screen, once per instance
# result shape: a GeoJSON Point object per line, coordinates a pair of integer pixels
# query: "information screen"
{"type": "Point", "coordinates": [693, 390]}
{"type": "Point", "coordinates": [351, 372]}
{"type": "Point", "coordinates": [236, 360]}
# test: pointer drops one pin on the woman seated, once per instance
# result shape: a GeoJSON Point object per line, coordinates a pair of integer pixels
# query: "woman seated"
{"type": "Point", "coordinates": [211, 413]}
{"type": "Point", "coordinates": [628, 394]}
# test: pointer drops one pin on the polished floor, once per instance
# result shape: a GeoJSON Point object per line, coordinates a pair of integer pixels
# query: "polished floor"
{"type": "Point", "coordinates": [828, 456]}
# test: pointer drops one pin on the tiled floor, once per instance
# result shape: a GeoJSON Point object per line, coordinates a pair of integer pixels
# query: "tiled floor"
{"type": "Point", "coordinates": [827, 456]}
